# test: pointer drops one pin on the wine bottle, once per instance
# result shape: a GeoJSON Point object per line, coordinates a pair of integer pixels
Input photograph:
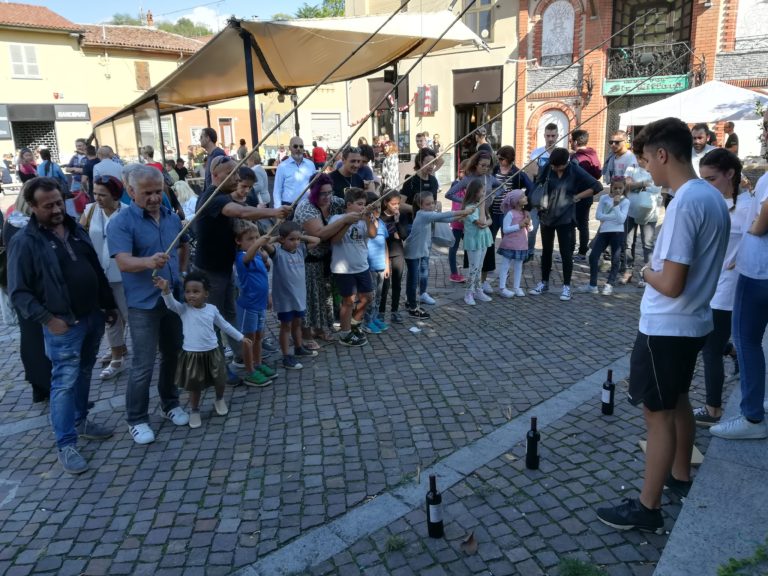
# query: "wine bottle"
{"type": "Point", "coordinates": [532, 447]}
{"type": "Point", "coordinates": [434, 510]}
{"type": "Point", "coordinates": [609, 388]}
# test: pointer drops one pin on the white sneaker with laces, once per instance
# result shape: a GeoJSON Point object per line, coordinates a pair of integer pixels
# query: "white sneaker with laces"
{"type": "Point", "coordinates": [740, 428]}
{"type": "Point", "coordinates": [507, 293]}
{"type": "Point", "coordinates": [487, 288]}
{"type": "Point", "coordinates": [565, 295]}
{"type": "Point", "coordinates": [142, 433]}
{"type": "Point", "coordinates": [541, 288]}
{"type": "Point", "coordinates": [519, 292]}
{"type": "Point", "coordinates": [177, 415]}
{"type": "Point", "coordinates": [587, 289]}
{"type": "Point", "coordinates": [425, 298]}
{"type": "Point", "coordinates": [482, 296]}
{"type": "Point", "coordinates": [607, 290]}
{"type": "Point", "coordinates": [221, 407]}
{"type": "Point", "coordinates": [469, 299]}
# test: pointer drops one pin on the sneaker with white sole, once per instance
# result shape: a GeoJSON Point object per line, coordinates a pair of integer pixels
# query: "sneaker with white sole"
{"type": "Point", "coordinates": [519, 292]}
{"type": "Point", "coordinates": [587, 289]}
{"type": "Point", "coordinates": [482, 296]}
{"type": "Point", "coordinates": [177, 415]}
{"type": "Point", "coordinates": [607, 290]}
{"type": "Point", "coordinates": [195, 421]}
{"type": "Point", "coordinates": [141, 433]}
{"type": "Point", "coordinates": [507, 293]}
{"type": "Point", "coordinates": [425, 298]}
{"type": "Point", "coordinates": [221, 407]}
{"type": "Point", "coordinates": [565, 295]}
{"type": "Point", "coordinates": [469, 299]}
{"type": "Point", "coordinates": [71, 460]}
{"type": "Point", "coordinates": [540, 288]}
{"type": "Point", "coordinates": [740, 428]}
{"type": "Point", "coordinates": [487, 288]}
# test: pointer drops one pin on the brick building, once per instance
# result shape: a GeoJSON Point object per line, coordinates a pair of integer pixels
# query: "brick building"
{"type": "Point", "coordinates": [682, 44]}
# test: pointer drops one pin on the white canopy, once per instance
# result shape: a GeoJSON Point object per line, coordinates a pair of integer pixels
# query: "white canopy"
{"type": "Point", "coordinates": [713, 101]}
{"type": "Point", "coordinates": [298, 53]}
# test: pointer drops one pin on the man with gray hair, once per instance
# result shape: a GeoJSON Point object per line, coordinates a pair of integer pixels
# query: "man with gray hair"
{"type": "Point", "coordinates": [138, 238]}
{"type": "Point", "coordinates": [107, 165]}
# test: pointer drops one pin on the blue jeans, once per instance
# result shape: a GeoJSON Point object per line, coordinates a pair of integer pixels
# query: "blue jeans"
{"type": "Point", "coordinates": [453, 250]}
{"type": "Point", "coordinates": [72, 356]}
{"type": "Point", "coordinates": [150, 328]}
{"type": "Point", "coordinates": [532, 233]}
{"type": "Point", "coordinates": [377, 277]}
{"type": "Point", "coordinates": [750, 317]}
{"type": "Point", "coordinates": [616, 241]}
{"type": "Point", "coordinates": [418, 273]}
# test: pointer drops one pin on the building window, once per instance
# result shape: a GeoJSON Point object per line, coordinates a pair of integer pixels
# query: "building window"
{"type": "Point", "coordinates": [669, 23]}
{"type": "Point", "coordinates": [557, 34]}
{"type": "Point", "coordinates": [479, 18]}
{"type": "Point", "coordinates": [24, 61]}
{"type": "Point", "coordinates": [143, 82]}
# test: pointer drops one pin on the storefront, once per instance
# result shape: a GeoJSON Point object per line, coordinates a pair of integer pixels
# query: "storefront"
{"type": "Point", "coordinates": [477, 98]}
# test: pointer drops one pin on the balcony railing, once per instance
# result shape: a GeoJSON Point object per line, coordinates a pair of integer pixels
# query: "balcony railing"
{"type": "Point", "coordinates": [648, 60]}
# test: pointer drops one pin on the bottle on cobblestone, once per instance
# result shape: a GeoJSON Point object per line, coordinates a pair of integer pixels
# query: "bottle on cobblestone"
{"type": "Point", "coordinates": [434, 510]}
{"type": "Point", "coordinates": [609, 389]}
{"type": "Point", "coordinates": [532, 447]}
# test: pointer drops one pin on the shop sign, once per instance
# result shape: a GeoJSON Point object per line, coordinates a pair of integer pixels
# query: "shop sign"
{"type": "Point", "coordinates": [639, 86]}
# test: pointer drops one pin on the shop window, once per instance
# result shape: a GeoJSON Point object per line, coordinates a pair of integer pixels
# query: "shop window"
{"type": "Point", "coordinates": [24, 61]}
{"type": "Point", "coordinates": [143, 82]}
{"type": "Point", "coordinates": [479, 18]}
{"type": "Point", "coordinates": [557, 34]}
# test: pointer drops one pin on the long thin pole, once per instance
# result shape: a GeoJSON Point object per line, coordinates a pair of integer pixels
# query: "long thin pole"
{"type": "Point", "coordinates": [250, 85]}
{"type": "Point", "coordinates": [284, 118]}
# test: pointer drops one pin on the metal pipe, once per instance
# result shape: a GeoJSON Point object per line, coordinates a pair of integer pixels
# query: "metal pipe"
{"type": "Point", "coordinates": [248, 52]}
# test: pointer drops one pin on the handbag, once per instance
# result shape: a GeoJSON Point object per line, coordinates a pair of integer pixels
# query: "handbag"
{"type": "Point", "coordinates": [540, 195]}
{"type": "Point", "coordinates": [442, 235]}
{"type": "Point", "coordinates": [81, 201]}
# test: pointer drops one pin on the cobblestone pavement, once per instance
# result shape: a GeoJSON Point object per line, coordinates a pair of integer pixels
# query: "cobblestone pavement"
{"type": "Point", "coordinates": [355, 424]}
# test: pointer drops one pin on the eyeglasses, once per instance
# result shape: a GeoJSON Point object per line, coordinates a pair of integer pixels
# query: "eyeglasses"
{"type": "Point", "coordinates": [297, 146]}
{"type": "Point", "coordinates": [615, 141]}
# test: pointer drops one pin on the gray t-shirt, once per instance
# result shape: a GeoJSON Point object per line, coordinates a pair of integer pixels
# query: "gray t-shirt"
{"type": "Point", "coordinates": [694, 233]}
{"type": "Point", "coordinates": [350, 256]}
{"type": "Point", "coordinates": [289, 284]}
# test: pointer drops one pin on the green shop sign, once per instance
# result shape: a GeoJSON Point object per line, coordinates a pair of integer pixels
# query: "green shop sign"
{"type": "Point", "coordinates": [637, 86]}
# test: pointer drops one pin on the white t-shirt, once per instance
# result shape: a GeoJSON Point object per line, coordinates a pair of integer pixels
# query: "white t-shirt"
{"type": "Point", "coordinates": [697, 156]}
{"type": "Point", "coordinates": [694, 233]}
{"type": "Point", "coordinates": [198, 325]}
{"type": "Point", "coordinates": [752, 260]}
{"type": "Point", "coordinates": [541, 156]}
{"type": "Point", "coordinates": [726, 284]}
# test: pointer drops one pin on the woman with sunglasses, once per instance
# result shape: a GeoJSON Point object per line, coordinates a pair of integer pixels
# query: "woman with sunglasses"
{"type": "Point", "coordinates": [107, 191]}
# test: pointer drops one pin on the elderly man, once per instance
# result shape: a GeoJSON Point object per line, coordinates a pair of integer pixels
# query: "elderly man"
{"type": "Point", "coordinates": [55, 279]}
{"type": "Point", "coordinates": [107, 165]}
{"type": "Point", "coordinates": [138, 238]}
{"type": "Point", "coordinates": [293, 175]}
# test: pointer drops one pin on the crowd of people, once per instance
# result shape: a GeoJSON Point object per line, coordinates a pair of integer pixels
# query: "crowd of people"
{"type": "Point", "coordinates": [339, 256]}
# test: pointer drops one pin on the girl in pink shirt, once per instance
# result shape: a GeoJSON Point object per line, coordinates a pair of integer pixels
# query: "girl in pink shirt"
{"type": "Point", "coordinates": [514, 242]}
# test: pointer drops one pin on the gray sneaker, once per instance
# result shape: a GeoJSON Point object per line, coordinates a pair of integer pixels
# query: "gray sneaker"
{"type": "Point", "coordinates": [71, 460]}
{"type": "Point", "coordinates": [92, 431]}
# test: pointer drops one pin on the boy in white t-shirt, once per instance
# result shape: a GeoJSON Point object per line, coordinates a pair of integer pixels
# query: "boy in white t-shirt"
{"type": "Point", "coordinates": [675, 318]}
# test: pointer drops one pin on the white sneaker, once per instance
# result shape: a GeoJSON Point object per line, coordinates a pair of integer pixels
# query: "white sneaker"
{"type": "Point", "coordinates": [177, 415]}
{"type": "Point", "coordinates": [142, 433]}
{"type": "Point", "coordinates": [195, 421]}
{"type": "Point", "coordinates": [427, 299]}
{"type": "Point", "coordinates": [607, 290]}
{"type": "Point", "coordinates": [482, 296]}
{"type": "Point", "coordinates": [469, 299]}
{"type": "Point", "coordinates": [740, 428]}
{"type": "Point", "coordinates": [221, 407]}
{"type": "Point", "coordinates": [587, 289]}
{"type": "Point", "coordinates": [541, 287]}
{"type": "Point", "coordinates": [565, 295]}
{"type": "Point", "coordinates": [507, 293]}
{"type": "Point", "coordinates": [487, 288]}
{"type": "Point", "coordinates": [519, 292]}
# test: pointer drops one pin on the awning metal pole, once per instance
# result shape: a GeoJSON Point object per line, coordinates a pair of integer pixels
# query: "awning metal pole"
{"type": "Point", "coordinates": [208, 116]}
{"type": "Point", "coordinates": [250, 85]}
{"type": "Point", "coordinates": [160, 129]}
{"type": "Point", "coordinates": [176, 137]}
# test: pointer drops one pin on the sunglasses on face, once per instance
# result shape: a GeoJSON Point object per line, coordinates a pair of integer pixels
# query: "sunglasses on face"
{"type": "Point", "coordinates": [615, 141]}
{"type": "Point", "coordinates": [297, 146]}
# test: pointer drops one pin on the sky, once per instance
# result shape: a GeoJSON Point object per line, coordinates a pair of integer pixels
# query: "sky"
{"type": "Point", "coordinates": [205, 11]}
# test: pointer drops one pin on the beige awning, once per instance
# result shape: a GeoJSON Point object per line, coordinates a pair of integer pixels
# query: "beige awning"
{"type": "Point", "coordinates": [298, 53]}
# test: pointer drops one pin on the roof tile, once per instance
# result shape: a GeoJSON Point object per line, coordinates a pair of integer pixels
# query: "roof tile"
{"type": "Point", "coordinates": [29, 16]}
{"type": "Point", "coordinates": [138, 37]}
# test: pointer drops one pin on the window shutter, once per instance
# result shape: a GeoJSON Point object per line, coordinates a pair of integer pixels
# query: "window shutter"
{"type": "Point", "coordinates": [17, 60]}
{"type": "Point", "coordinates": [30, 55]}
{"type": "Point", "coordinates": [142, 76]}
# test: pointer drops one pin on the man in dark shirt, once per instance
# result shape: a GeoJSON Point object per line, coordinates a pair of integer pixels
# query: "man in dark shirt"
{"type": "Point", "coordinates": [732, 142]}
{"type": "Point", "coordinates": [181, 170]}
{"type": "Point", "coordinates": [208, 139]}
{"type": "Point", "coordinates": [55, 279]}
{"type": "Point", "coordinates": [585, 157]}
{"type": "Point", "coordinates": [91, 160]}
{"type": "Point", "coordinates": [346, 176]}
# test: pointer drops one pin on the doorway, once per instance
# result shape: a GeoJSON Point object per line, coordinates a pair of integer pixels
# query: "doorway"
{"type": "Point", "coordinates": [469, 117]}
{"type": "Point", "coordinates": [226, 133]}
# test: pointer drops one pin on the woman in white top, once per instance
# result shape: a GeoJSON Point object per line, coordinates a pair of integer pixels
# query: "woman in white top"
{"type": "Point", "coordinates": [722, 169]}
{"type": "Point", "coordinates": [107, 191]}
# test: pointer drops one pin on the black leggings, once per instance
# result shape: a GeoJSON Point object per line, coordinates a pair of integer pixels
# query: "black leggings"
{"type": "Point", "coordinates": [566, 240]}
{"type": "Point", "coordinates": [395, 280]}
{"type": "Point", "coordinates": [712, 354]}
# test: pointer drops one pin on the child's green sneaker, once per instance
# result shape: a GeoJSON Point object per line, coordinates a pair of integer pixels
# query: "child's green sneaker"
{"type": "Point", "coordinates": [266, 370]}
{"type": "Point", "coordinates": [257, 379]}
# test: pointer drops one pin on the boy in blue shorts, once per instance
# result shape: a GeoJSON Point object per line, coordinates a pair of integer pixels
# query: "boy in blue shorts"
{"type": "Point", "coordinates": [289, 289]}
{"type": "Point", "coordinates": [252, 303]}
{"type": "Point", "coordinates": [349, 265]}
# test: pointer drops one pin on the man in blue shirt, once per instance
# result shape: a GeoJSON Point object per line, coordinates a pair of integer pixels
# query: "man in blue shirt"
{"type": "Point", "coordinates": [293, 175]}
{"type": "Point", "coordinates": [138, 238]}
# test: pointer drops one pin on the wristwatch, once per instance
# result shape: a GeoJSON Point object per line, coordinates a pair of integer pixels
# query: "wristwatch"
{"type": "Point", "coordinates": [642, 271]}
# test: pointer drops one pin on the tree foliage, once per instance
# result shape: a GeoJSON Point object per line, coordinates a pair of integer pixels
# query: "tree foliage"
{"type": "Point", "coordinates": [182, 27]}
{"type": "Point", "coordinates": [126, 19]}
{"type": "Point", "coordinates": [326, 9]}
